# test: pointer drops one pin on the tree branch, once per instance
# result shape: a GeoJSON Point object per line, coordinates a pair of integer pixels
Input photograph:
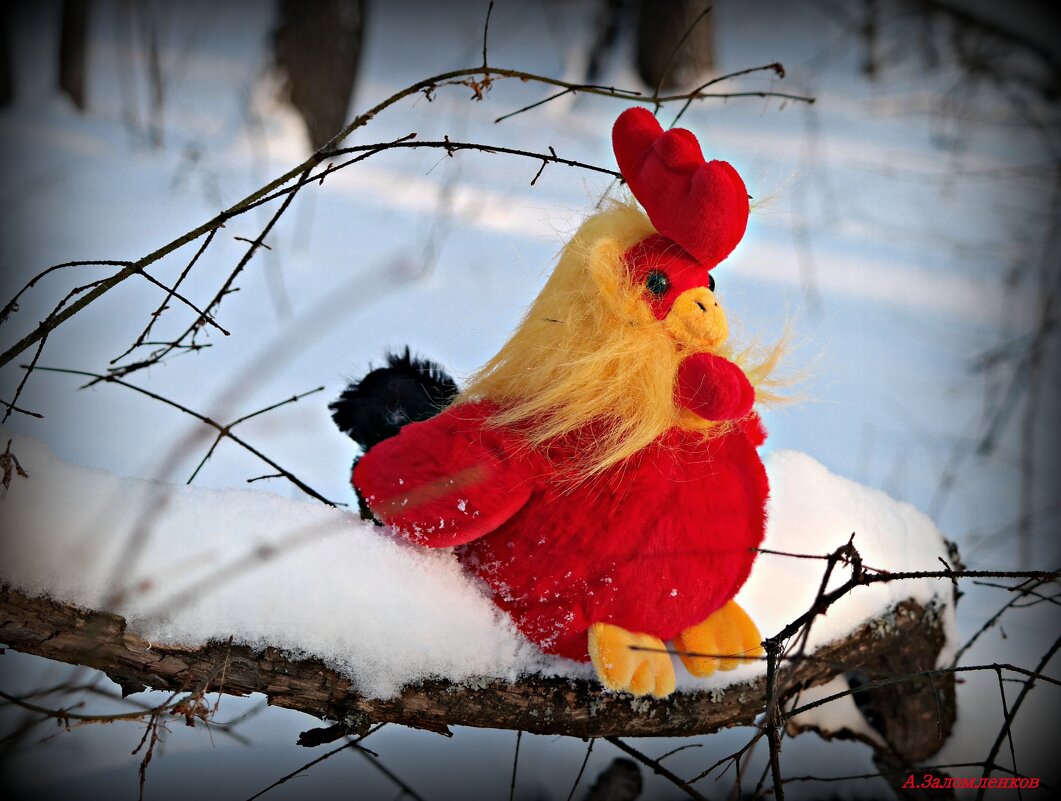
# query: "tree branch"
{"type": "Point", "coordinates": [479, 79]}
{"type": "Point", "coordinates": [541, 705]}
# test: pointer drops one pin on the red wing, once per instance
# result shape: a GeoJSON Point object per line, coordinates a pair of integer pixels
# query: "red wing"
{"type": "Point", "coordinates": [448, 480]}
{"type": "Point", "coordinates": [714, 388]}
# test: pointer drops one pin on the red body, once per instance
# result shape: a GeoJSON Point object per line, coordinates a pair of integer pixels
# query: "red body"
{"type": "Point", "coordinates": [653, 545]}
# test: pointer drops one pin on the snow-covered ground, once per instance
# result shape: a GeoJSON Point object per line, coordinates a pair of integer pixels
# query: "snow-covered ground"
{"type": "Point", "coordinates": [877, 240]}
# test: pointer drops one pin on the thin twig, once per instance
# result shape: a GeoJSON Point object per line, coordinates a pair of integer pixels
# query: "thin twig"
{"type": "Point", "coordinates": [1005, 716]}
{"type": "Point", "coordinates": [427, 85]}
{"type": "Point", "coordinates": [558, 95]}
{"type": "Point", "coordinates": [12, 305]}
{"type": "Point", "coordinates": [582, 769]}
{"type": "Point", "coordinates": [373, 760]}
{"type": "Point", "coordinates": [171, 292]}
{"type": "Point", "coordinates": [63, 714]}
{"type": "Point", "coordinates": [772, 722]}
{"type": "Point", "coordinates": [351, 744]}
{"type": "Point", "coordinates": [657, 768]}
{"type": "Point", "coordinates": [203, 419]}
{"type": "Point", "coordinates": [515, 764]}
{"type": "Point", "coordinates": [991, 621]}
{"type": "Point", "coordinates": [226, 430]}
{"type": "Point", "coordinates": [449, 145]}
{"type": "Point", "coordinates": [225, 289]}
{"type": "Point", "coordinates": [154, 317]}
{"type": "Point", "coordinates": [1008, 722]}
{"type": "Point", "coordinates": [486, 31]}
{"type": "Point", "coordinates": [698, 93]}
{"type": "Point", "coordinates": [40, 349]}
{"type": "Point", "coordinates": [678, 750]}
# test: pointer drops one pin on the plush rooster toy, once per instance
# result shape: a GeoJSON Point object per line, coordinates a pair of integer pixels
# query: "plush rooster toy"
{"type": "Point", "coordinates": [600, 473]}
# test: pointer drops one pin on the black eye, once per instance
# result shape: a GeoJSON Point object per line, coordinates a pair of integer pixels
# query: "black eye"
{"type": "Point", "coordinates": [711, 282]}
{"type": "Point", "coordinates": [657, 283]}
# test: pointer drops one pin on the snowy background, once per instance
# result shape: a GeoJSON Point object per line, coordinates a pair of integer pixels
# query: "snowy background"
{"type": "Point", "coordinates": [899, 228]}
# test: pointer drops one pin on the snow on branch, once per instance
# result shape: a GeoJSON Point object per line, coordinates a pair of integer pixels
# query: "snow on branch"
{"type": "Point", "coordinates": [198, 591]}
{"type": "Point", "coordinates": [907, 636]}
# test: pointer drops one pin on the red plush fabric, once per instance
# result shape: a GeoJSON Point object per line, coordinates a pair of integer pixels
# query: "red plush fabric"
{"type": "Point", "coordinates": [447, 480]}
{"type": "Point", "coordinates": [753, 428]}
{"type": "Point", "coordinates": [654, 545]}
{"type": "Point", "coordinates": [703, 206]}
{"type": "Point", "coordinates": [714, 388]}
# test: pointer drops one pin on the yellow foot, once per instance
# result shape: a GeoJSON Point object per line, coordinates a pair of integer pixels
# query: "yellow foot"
{"type": "Point", "coordinates": [720, 641]}
{"type": "Point", "coordinates": [635, 663]}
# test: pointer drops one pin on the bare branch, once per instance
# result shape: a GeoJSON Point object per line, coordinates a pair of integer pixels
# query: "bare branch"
{"type": "Point", "coordinates": [226, 430]}
{"type": "Point", "coordinates": [486, 30]}
{"type": "Point", "coordinates": [582, 769]}
{"type": "Point", "coordinates": [1012, 714]}
{"type": "Point", "coordinates": [657, 768]}
{"type": "Point", "coordinates": [535, 704]}
{"type": "Point", "coordinates": [96, 377]}
{"type": "Point", "coordinates": [463, 77]}
{"type": "Point", "coordinates": [349, 744]}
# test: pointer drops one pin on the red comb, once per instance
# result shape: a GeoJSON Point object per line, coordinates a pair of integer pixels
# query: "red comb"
{"type": "Point", "coordinates": [703, 206]}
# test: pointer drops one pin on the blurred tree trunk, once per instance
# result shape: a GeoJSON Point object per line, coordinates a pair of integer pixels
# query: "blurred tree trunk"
{"type": "Point", "coordinates": [73, 37]}
{"type": "Point", "coordinates": [674, 49]}
{"type": "Point", "coordinates": [316, 47]}
{"type": "Point", "coordinates": [606, 27]}
{"type": "Point", "coordinates": [620, 781]}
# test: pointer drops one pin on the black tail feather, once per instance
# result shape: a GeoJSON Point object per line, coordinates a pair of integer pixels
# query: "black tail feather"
{"type": "Point", "coordinates": [407, 390]}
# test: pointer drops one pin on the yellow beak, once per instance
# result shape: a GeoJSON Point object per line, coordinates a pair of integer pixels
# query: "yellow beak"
{"type": "Point", "coordinates": [697, 320]}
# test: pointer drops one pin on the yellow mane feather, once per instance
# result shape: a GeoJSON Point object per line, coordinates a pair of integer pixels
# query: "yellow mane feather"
{"type": "Point", "coordinates": [589, 350]}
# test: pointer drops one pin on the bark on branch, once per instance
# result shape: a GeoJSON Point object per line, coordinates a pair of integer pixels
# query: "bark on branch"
{"type": "Point", "coordinates": [914, 718]}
